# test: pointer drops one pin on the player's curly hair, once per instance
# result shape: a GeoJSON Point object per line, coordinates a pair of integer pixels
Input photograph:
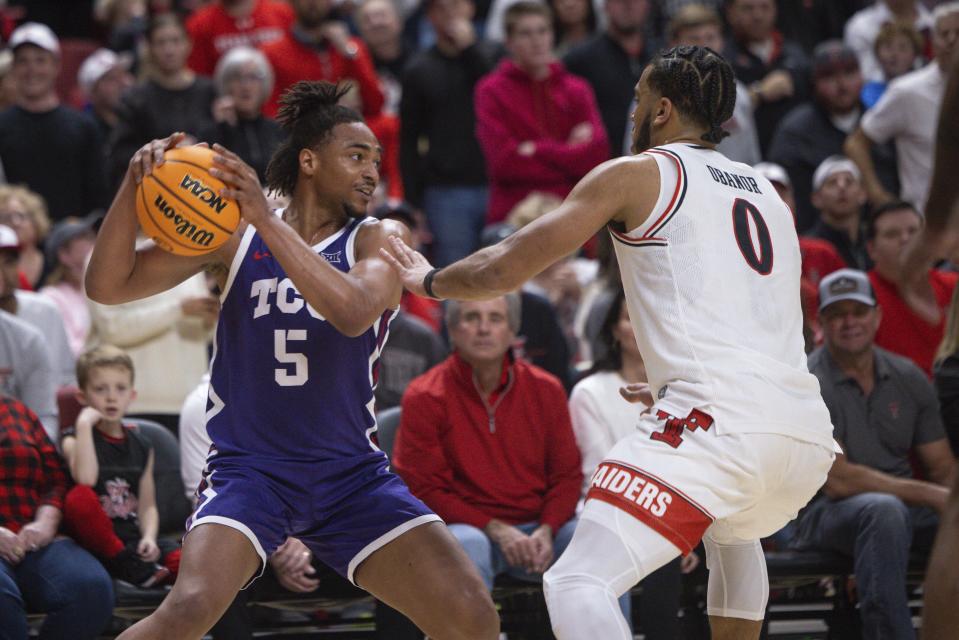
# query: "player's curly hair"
{"type": "Point", "coordinates": [700, 83]}
{"type": "Point", "coordinates": [308, 113]}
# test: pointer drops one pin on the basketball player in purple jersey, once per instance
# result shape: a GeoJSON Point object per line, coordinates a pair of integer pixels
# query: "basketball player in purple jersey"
{"type": "Point", "coordinates": [307, 302]}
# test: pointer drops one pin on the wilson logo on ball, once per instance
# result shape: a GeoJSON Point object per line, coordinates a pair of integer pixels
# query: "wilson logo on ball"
{"type": "Point", "coordinates": [203, 193]}
{"type": "Point", "coordinates": [180, 207]}
{"type": "Point", "coordinates": [183, 226]}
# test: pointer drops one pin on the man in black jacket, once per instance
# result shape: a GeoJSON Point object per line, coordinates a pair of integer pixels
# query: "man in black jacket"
{"type": "Point", "coordinates": [612, 62]}
{"type": "Point", "coordinates": [447, 178]}
{"type": "Point", "coordinates": [817, 129]}
{"type": "Point", "coordinates": [776, 70]}
{"type": "Point", "coordinates": [54, 150]}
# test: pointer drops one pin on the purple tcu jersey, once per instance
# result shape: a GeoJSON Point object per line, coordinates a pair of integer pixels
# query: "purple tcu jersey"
{"type": "Point", "coordinates": [284, 383]}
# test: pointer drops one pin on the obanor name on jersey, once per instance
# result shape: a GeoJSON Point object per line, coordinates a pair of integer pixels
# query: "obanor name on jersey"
{"type": "Point", "coordinates": [632, 487]}
{"type": "Point", "coordinates": [734, 180]}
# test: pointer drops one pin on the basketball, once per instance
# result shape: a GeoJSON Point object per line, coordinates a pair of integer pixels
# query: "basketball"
{"type": "Point", "coordinates": [180, 207]}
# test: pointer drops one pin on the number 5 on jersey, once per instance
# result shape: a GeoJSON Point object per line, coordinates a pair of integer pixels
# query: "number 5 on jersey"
{"type": "Point", "coordinates": [301, 366]}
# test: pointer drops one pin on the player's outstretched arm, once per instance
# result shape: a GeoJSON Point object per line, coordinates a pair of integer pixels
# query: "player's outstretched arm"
{"type": "Point", "coordinates": [940, 235]}
{"type": "Point", "coordinates": [624, 190]}
{"type": "Point", "coordinates": [940, 615]}
{"type": "Point", "coordinates": [119, 273]}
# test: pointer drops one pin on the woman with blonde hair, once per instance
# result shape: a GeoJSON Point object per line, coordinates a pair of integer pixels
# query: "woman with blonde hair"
{"type": "Point", "coordinates": [946, 373]}
{"type": "Point", "coordinates": [26, 213]}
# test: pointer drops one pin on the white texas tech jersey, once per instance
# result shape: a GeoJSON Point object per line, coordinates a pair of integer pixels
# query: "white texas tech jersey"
{"type": "Point", "coordinates": [712, 287]}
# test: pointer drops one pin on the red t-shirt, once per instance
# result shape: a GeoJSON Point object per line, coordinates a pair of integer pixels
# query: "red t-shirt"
{"type": "Point", "coordinates": [214, 32]}
{"type": "Point", "coordinates": [902, 331]}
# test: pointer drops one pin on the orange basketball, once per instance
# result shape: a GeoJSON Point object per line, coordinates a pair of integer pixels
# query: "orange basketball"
{"type": "Point", "coordinates": [179, 205]}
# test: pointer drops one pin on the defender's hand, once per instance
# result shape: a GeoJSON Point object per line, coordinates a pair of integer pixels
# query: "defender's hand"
{"type": "Point", "coordinates": [411, 266]}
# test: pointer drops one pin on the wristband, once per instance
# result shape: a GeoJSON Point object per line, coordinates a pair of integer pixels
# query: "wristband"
{"type": "Point", "coordinates": [428, 284]}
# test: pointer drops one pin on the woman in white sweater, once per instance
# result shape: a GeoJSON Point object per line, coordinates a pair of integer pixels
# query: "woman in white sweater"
{"type": "Point", "coordinates": [167, 336]}
{"type": "Point", "coordinates": [601, 417]}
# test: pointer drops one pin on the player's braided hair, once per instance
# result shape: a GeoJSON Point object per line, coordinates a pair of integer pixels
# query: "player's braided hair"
{"type": "Point", "coordinates": [700, 83]}
{"type": "Point", "coordinates": [308, 113]}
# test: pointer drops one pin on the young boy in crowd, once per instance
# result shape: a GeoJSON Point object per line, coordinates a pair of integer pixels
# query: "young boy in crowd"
{"type": "Point", "coordinates": [112, 511]}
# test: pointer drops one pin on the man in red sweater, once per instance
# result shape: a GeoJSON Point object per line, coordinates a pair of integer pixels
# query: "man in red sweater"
{"type": "Point", "coordinates": [538, 125]}
{"type": "Point", "coordinates": [486, 441]}
{"type": "Point", "coordinates": [223, 25]}
{"type": "Point", "coordinates": [318, 47]}
{"type": "Point", "coordinates": [902, 331]}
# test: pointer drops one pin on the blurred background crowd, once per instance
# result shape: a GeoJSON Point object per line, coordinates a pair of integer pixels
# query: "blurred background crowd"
{"type": "Point", "coordinates": [488, 112]}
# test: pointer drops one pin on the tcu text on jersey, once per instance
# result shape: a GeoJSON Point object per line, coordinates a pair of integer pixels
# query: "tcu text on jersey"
{"type": "Point", "coordinates": [284, 296]}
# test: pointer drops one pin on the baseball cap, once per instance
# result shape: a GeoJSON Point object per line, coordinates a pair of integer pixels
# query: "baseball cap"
{"type": "Point", "coordinates": [774, 173]}
{"type": "Point", "coordinates": [846, 284]}
{"type": "Point", "coordinates": [832, 56]}
{"type": "Point", "coordinates": [8, 238]}
{"type": "Point", "coordinates": [831, 166]}
{"type": "Point", "coordinates": [37, 34]}
{"type": "Point", "coordinates": [97, 65]}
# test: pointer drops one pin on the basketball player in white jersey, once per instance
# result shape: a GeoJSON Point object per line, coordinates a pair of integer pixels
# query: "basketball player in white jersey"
{"type": "Point", "coordinates": [738, 439]}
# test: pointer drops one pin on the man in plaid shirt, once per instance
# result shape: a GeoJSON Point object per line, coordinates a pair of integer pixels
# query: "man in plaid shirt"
{"type": "Point", "coordinates": [38, 571]}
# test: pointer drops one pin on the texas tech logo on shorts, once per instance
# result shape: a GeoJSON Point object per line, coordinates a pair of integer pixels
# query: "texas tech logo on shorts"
{"type": "Point", "coordinates": [651, 501]}
{"type": "Point", "coordinates": [672, 433]}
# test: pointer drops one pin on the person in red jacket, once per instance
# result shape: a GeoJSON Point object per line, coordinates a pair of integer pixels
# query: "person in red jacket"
{"type": "Point", "coordinates": [538, 125]}
{"type": "Point", "coordinates": [224, 25]}
{"type": "Point", "coordinates": [892, 227]}
{"type": "Point", "coordinates": [486, 441]}
{"type": "Point", "coordinates": [317, 47]}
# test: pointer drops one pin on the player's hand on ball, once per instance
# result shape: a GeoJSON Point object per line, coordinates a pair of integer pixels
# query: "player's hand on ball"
{"type": "Point", "coordinates": [242, 184]}
{"type": "Point", "coordinates": [410, 264]}
{"type": "Point", "coordinates": [151, 154]}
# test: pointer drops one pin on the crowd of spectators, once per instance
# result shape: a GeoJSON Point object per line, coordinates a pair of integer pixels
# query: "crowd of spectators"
{"type": "Point", "coordinates": [489, 112]}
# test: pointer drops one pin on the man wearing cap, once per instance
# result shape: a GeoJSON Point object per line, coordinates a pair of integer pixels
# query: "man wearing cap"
{"type": "Point", "coordinates": [839, 197]}
{"type": "Point", "coordinates": [815, 130]}
{"type": "Point", "coordinates": [26, 369]}
{"type": "Point", "coordinates": [883, 409]}
{"type": "Point", "coordinates": [103, 77]}
{"type": "Point", "coordinates": [907, 114]}
{"type": "Point", "coordinates": [55, 150]}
